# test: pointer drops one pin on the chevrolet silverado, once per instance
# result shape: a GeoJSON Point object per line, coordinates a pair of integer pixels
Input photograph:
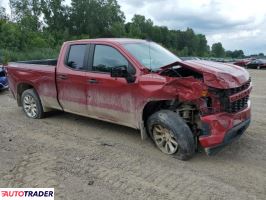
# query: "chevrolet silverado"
{"type": "Point", "coordinates": [181, 105]}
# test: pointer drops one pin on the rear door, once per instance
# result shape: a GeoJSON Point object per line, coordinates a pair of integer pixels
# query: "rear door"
{"type": "Point", "coordinates": [72, 81]}
{"type": "Point", "coordinates": [111, 99]}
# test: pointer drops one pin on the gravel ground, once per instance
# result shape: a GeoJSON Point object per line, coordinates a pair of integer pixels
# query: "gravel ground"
{"type": "Point", "coordinates": [86, 159]}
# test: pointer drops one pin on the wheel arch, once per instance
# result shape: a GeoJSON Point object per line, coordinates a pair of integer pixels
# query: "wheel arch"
{"type": "Point", "coordinates": [149, 108]}
{"type": "Point", "coordinates": [21, 87]}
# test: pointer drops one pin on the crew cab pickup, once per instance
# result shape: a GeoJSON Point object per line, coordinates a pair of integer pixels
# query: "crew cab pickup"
{"type": "Point", "coordinates": [181, 105]}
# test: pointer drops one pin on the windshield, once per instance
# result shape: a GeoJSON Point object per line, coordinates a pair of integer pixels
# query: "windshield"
{"type": "Point", "coordinates": [151, 55]}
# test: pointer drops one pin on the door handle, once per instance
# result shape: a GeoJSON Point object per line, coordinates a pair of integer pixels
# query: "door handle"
{"type": "Point", "coordinates": [93, 81]}
{"type": "Point", "coordinates": [62, 77]}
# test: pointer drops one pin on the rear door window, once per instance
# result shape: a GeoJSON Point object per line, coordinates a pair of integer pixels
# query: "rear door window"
{"type": "Point", "coordinates": [76, 57]}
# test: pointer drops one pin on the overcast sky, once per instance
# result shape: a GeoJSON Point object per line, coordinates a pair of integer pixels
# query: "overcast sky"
{"type": "Point", "coordinates": [238, 24]}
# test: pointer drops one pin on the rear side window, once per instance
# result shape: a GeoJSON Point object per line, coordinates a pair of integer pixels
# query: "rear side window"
{"type": "Point", "coordinates": [76, 56]}
{"type": "Point", "coordinates": [106, 57]}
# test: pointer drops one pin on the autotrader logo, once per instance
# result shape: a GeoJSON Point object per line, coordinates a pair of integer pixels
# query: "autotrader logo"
{"type": "Point", "coordinates": [26, 193]}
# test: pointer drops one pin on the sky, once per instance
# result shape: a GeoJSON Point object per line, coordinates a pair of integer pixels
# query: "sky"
{"type": "Point", "coordinates": [238, 24]}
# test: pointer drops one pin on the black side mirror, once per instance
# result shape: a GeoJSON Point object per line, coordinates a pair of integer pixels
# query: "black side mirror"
{"type": "Point", "coordinates": [122, 72]}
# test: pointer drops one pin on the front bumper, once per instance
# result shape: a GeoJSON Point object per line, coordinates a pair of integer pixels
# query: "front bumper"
{"type": "Point", "coordinates": [222, 128]}
{"type": "Point", "coordinates": [230, 136]}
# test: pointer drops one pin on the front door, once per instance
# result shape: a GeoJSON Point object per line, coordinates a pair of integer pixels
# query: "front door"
{"type": "Point", "coordinates": [110, 98]}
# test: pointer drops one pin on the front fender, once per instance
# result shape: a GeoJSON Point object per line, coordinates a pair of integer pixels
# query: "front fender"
{"type": "Point", "coordinates": [187, 88]}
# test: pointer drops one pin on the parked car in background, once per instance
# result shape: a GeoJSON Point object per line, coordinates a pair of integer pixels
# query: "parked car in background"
{"type": "Point", "coordinates": [242, 63]}
{"type": "Point", "coordinates": [189, 58]}
{"type": "Point", "coordinates": [257, 64]}
{"type": "Point", "coordinates": [3, 79]}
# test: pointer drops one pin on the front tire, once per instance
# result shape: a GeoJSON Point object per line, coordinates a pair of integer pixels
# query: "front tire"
{"type": "Point", "coordinates": [31, 104]}
{"type": "Point", "coordinates": [171, 134]}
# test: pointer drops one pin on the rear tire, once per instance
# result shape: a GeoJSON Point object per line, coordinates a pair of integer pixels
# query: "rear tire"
{"type": "Point", "coordinates": [171, 134]}
{"type": "Point", "coordinates": [31, 104]}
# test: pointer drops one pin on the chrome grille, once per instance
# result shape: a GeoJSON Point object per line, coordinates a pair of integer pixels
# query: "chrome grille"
{"type": "Point", "coordinates": [238, 105]}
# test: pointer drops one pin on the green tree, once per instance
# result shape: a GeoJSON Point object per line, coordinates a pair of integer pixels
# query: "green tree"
{"type": "Point", "coordinates": [202, 48]}
{"type": "Point", "coordinates": [218, 50]}
{"type": "Point", "coordinates": [3, 15]}
{"type": "Point", "coordinates": [117, 30]}
{"type": "Point", "coordinates": [55, 14]}
{"type": "Point", "coordinates": [239, 54]}
{"type": "Point", "coordinates": [95, 17]}
{"type": "Point", "coordinates": [10, 35]}
{"type": "Point", "coordinates": [56, 19]}
{"type": "Point", "coordinates": [134, 30]}
{"type": "Point", "coordinates": [25, 16]}
{"type": "Point", "coordinates": [184, 52]}
{"type": "Point", "coordinates": [235, 54]}
{"type": "Point", "coordinates": [140, 27]}
{"type": "Point", "coordinates": [27, 13]}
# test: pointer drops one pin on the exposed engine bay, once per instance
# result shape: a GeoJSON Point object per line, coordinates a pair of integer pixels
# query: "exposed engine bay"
{"type": "Point", "coordinates": [180, 71]}
{"type": "Point", "coordinates": [187, 110]}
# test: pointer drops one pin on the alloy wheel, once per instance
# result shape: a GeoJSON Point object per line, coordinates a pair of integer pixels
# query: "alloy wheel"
{"type": "Point", "coordinates": [30, 106]}
{"type": "Point", "coordinates": [165, 140]}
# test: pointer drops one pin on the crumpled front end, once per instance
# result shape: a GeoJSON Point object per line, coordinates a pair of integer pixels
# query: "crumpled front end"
{"type": "Point", "coordinates": [214, 100]}
{"type": "Point", "coordinates": [227, 117]}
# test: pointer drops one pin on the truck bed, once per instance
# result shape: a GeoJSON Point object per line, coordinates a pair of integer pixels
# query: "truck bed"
{"type": "Point", "coordinates": [52, 62]}
{"type": "Point", "coordinates": [41, 74]}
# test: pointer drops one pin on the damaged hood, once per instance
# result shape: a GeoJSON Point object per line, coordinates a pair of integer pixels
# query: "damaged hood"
{"type": "Point", "coordinates": [217, 75]}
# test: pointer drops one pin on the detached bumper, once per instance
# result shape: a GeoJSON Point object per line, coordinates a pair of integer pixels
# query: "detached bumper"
{"type": "Point", "coordinates": [223, 128]}
{"type": "Point", "coordinates": [230, 136]}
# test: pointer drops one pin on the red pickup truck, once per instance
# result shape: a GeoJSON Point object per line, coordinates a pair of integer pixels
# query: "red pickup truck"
{"type": "Point", "coordinates": [181, 105]}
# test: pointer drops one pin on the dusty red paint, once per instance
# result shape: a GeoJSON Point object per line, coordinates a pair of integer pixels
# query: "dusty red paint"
{"type": "Point", "coordinates": [193, 87]}
{"type": "Point", "coordinates": [115, 100]}
{"type": "Point", "coordinates": [217, 75]}
{"type": "Point", "coordinates": [220, 124]}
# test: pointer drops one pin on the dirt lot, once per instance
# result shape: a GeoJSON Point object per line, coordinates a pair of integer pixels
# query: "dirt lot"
{"type": "Point", "coordinates": [84, 158]}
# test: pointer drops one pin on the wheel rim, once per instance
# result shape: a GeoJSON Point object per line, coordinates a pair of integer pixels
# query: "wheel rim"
{"type": "Point", "coordinates": [30, 106]}
{"type": "Point", "coordinates": [164, 139]}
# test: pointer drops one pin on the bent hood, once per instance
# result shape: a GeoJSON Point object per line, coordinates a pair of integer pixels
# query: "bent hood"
{"type": "Point", "coordinates": [218, 75]}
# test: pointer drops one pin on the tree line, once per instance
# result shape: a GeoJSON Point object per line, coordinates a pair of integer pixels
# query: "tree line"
{"type": "Point", "coordinates": [36, 29]}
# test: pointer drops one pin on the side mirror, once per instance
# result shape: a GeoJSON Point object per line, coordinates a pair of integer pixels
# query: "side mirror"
{"type": "Point", "coordinates": [122, 72]}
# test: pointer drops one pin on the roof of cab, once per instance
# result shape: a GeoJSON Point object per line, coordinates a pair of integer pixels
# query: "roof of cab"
{"type": "Point", "coordinates": [112, 40]}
